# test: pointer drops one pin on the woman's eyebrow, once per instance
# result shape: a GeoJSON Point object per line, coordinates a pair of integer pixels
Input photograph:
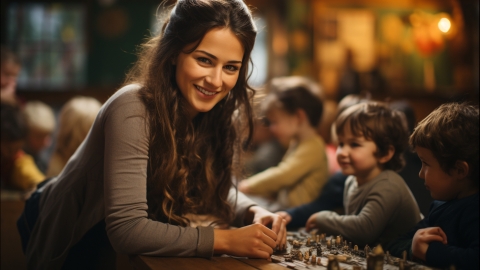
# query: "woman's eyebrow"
{"type": "Point", "coordinates": [214, 57]}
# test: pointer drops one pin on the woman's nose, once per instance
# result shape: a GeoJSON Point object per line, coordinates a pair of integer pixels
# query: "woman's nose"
{"type": "Point", "coordinates": [215, 77]}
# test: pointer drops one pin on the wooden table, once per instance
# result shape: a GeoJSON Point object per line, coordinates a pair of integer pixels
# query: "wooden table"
{"type": "Point", "coordinates": [228, 263]}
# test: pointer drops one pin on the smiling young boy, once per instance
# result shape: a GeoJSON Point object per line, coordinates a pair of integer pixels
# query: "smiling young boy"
{"type": "Point", "coordinates": [378, 204]}
{"type": "Point", "coordinates": [447, 143]}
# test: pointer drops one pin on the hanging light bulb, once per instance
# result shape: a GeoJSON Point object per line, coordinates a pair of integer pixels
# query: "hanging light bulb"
{"type": "Point", "coordinates": [444, 25]}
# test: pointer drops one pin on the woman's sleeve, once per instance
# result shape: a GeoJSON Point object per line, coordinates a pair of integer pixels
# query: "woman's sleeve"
{"type": "Point", "coordinates": [125, 172]}
{"type": "Point", "coordinates": [241, 204]}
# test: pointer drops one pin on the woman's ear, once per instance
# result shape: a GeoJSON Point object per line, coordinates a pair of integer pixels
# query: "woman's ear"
{"type": "Point", "coordinates": [385, 158]}
{"type": "Point", "coordinates": [461, 169]}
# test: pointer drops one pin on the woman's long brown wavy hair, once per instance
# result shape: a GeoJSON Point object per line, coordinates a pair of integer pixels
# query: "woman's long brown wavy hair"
{"type": "Point", "coordinates": [191, 163]}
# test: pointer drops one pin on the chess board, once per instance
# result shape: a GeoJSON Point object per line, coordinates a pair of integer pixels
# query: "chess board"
{"type": "Point", "coordinates": [318, 251]}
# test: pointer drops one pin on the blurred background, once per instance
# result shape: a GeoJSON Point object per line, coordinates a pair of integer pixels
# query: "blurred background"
{"type": "Point", "coordinates": [424, 51]}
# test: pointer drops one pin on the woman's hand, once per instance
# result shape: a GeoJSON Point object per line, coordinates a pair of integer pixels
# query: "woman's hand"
{"type": "Point", "coordinates": [311, 223]}
{"type": "Point", "coordinates": [277, 223]}
{"type": "Point", "coordinates": [253, 241]}
{"type": "Point", "coordinates": [285, 216]}
{"type": "Point", "coordinates": [422, 239]}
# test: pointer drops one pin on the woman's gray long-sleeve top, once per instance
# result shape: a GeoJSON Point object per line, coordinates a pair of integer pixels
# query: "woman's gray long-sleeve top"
{"type": "Point", "coordinates": [106, 179]}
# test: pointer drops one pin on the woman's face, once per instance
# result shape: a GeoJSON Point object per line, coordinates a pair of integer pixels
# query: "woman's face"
{"type": "Point", "coordinates": [207, 74]}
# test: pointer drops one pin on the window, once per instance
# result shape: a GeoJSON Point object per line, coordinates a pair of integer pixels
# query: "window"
{"type": "Point", "coordinates": [49, 39]}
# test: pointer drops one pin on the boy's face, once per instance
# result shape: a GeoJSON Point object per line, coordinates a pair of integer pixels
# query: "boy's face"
{"type": "Point", "coordinates": [441, 185]}
{"type": "Point", "coordinates": [283, 126]}
{"type": "Point", "coordinates": [357, 156]}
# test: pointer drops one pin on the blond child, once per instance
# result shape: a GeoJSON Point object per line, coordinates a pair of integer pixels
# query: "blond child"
{"type": "Point", "coordinates": [75, 120]}
{"type": "Point", "coordinates": [447, 143]}
{"type": "Point", "coordinates": [293, 109]}
{"type": "Point", "coordinates": [41, 125]}
{"type": "Point", "coordinates": [378, 204]}
{"type": "Point", "coordinates": [18, 170]}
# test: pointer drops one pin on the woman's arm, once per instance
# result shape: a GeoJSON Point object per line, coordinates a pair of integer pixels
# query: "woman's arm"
{"type": "Point", "coordinates": [125, 172]}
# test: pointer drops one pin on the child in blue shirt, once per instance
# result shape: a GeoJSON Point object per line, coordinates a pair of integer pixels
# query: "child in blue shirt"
{"type": "Point", "coordinates": [447, 143]}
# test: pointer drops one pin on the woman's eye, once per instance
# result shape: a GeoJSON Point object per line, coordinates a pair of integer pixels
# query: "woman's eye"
{"type": "Point", "coordinates": [231, 68]}
{"type": "Point", "coordinates": [204, 60]}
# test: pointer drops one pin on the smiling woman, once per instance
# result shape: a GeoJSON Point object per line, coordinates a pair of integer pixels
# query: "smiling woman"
{"type": "Point", "coordinates": [207, 74]}
{"type": "Point", "coordinates": [154, 173]}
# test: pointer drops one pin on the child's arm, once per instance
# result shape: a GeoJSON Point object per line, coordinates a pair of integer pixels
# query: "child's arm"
{"type": "Point", "coordinates": [330, 198]}
{"type": "Point", "coordinates": [366, 226]}
{"type": "Point", "coordinates": [422, 239]}
{"type": "Point", "coordinates": [464, 253]}
{"type": "Point", "coordinates": [288, 172]}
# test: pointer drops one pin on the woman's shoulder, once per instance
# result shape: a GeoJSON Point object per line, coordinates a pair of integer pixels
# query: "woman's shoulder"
{"type": "Point", "coordinates": [125, 99]}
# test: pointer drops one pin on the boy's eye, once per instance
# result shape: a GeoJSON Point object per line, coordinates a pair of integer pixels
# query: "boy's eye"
{"type": "Point", "coordinates": [340, 144]}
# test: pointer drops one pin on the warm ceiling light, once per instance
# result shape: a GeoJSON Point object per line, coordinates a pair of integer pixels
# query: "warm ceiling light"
{"type": "Point", "coordinates": [444, 25]}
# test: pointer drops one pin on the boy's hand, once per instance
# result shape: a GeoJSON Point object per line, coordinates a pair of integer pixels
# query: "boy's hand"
{"type": "Point", "coordinates": [422, 239]}
{"type": "Point", "coordinates": [285, 216]}
{"type": "Point", "coordinates": [311, 222]}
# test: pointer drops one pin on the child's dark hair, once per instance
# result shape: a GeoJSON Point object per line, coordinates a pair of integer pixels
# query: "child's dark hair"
{"type": "Point", "coordinates": [377, 122]}
{"type": "Point", "coordinates": [451, 133]}
{"type": "Point", "coordinates": [294, 93]}
{"type": "Point", "coordinates": [13, 124]}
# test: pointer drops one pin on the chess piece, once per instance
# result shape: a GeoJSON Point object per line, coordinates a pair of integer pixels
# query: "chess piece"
{"type": "Point", "coordinates": [319, 250]}
{"type": "Point", "coordinates": [308, 242]}
{"type": "Point", "coordinates": [338, 241]}
{"type": "Point", "coordinates": [401, 265]}
{"type": "Point", "coordinates": [333, 263]}
{"type": "Point", "coordinates": [349, 245]}
{"type": "Point", "coordinates": [319, 261]}
{"type": "Point", "coordinates": [317, 238]}
{"type": "Point", "coordinates": [329, 244]}
{"type": "Point", "coordinates": [375, 259]}
{"type": "Point", "coordinates": [389, 259]}
{"type": "Point", "coordinates": [300, 256]}
{"type": "Point", "coordinates": [355, 248]}
{"type": "Point", "coordinates": [404, 255]}
{"type": "Point", "coordinates": [356, 267]}
{"type": "Point", "coordinates": [366, 250]}
{"type": "Point", "coordinates": [307, 255]}
{"type": "Point", "coordinates": [314, 259]}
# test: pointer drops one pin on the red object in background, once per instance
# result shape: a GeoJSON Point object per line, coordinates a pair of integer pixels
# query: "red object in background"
{"type": "Point", "coordinates": [428, 40]}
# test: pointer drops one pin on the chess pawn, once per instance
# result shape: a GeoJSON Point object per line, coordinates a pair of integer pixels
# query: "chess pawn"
{"type": "Point", "coordinates": [308, 242]}
{"type": "Point", "coordinates": [300, 256]}
{"type": "Point", "coordinates": [329, 244]}
{"type": "Point", "coordinates": [314, 259]}
{"type": "Point", "coordinates": [338, 241]}
{"type": "Point", "coordinates": [375, 259]}
{"type": "Point", "coordinates": [401, 265]}
{"type": "Point", "coordinates": [366, 250]}
{"type": "Point", "coordinates": [319, 261]}
{"type": "Point", "coordinates": [317, 238]}
{"type": "Point", "coordinates": [404, 255]}
{"type": "Point", "coordinates": [389, 259]}
{"type": "Point", "coordinates": [355, 248]}
{"type": "Point", "coordinates": [333, 263]}
{"type": "Point", "coordinates": [319, 250]}
{"type": "Point", "coordinates": [307, 255]}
